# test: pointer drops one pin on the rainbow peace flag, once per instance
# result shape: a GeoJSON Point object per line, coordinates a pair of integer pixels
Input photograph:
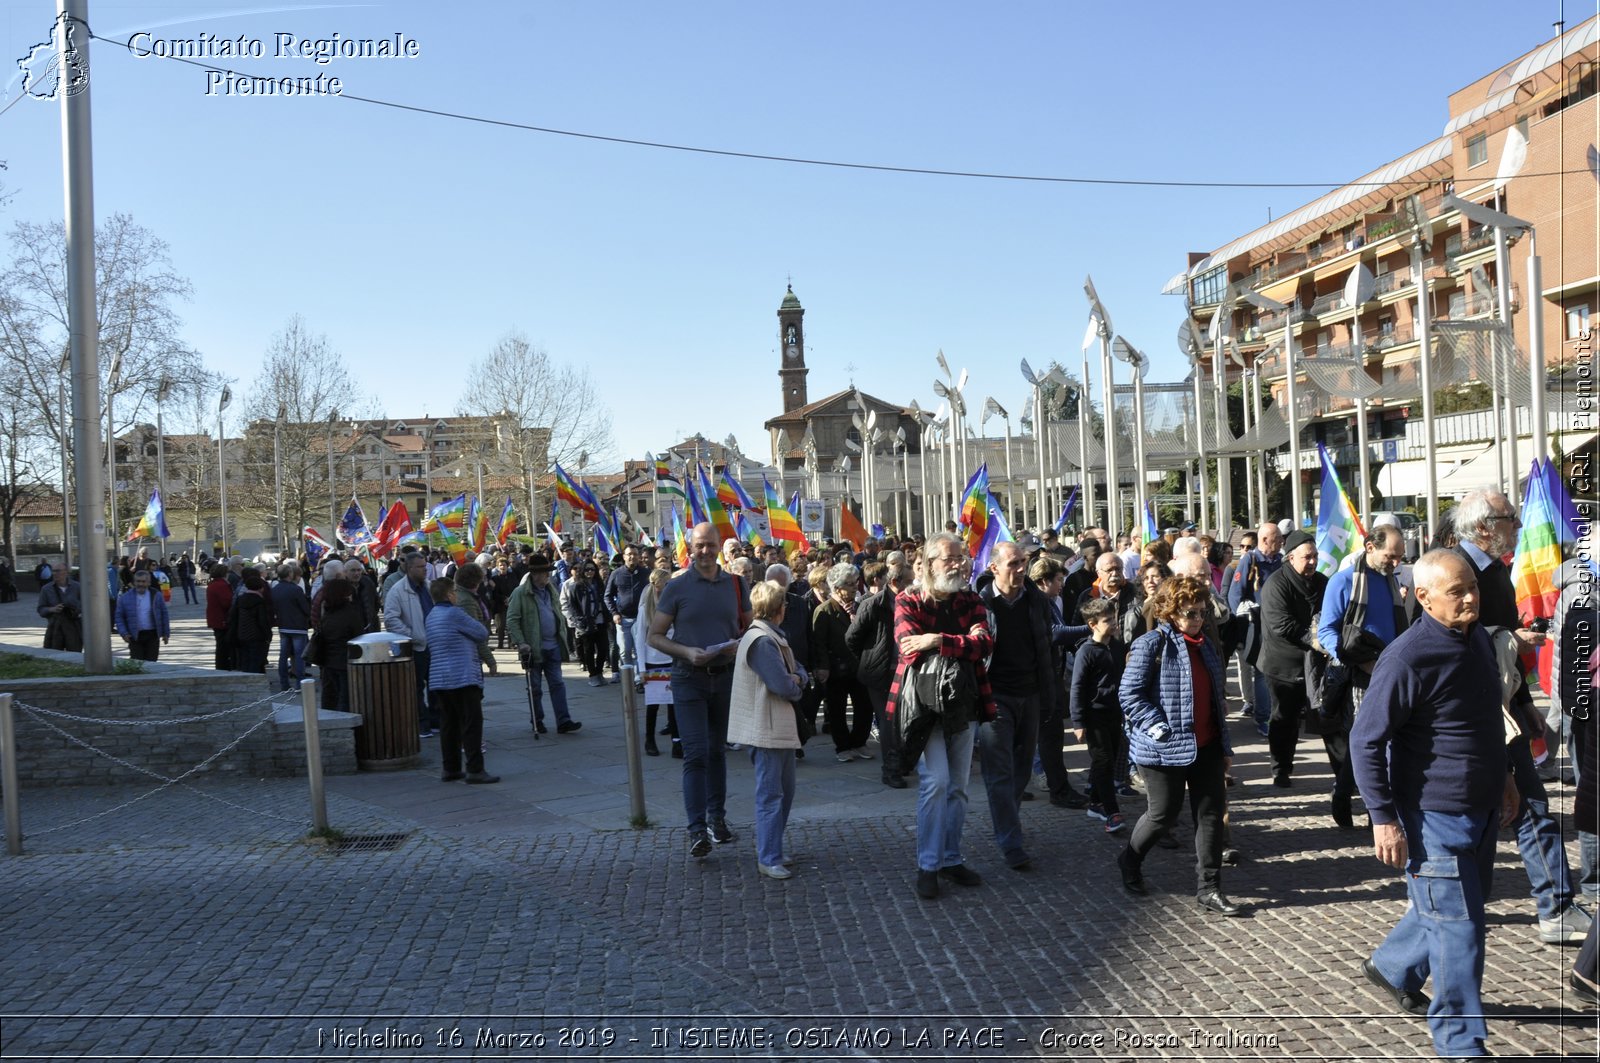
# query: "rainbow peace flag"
{"type": "Point", "coordinates": [1539, 543]}
{"type": "Point", "coordinates": [1339, 529]}
{"type": "Point", "coordinates": [975, 509]}
{"type": "Point", "coordinates": [555, 515]}
{"type": "Point", "coordinates": [457, 548]}
{"type": "Point", "coordinates": [714, 512]}
{"type": "Point", "coordinates": [697, 508]}
{"type": "Point", "coordinates": [448, 514]}
{"type": "Point", "coordinates": [736, 489]}
{"type": "Point", "coordinates": [575, 494]}
{"type": "Point", "coordinates": [153, 525]}
{"type": "Point", "coordinates": [995, 531]}
{"type": "Point", "coordinates": [780, 522]}
{"type": "Point", "coordinates": [506, 524]}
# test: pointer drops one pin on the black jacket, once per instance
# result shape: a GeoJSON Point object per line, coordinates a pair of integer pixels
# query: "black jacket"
{"type": "Point", "coordinates": [871, 639]}
{"type": "Point", "coordinates": [1042, 621]}
{"type": "Point", "coordinates": [1096, 678]}
{"type": "Point", "coordinates": [1290, 605]}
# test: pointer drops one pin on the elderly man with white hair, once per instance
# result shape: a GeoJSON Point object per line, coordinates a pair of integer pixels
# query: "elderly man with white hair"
{"type": "Point", "coordinates": [1486, 530]}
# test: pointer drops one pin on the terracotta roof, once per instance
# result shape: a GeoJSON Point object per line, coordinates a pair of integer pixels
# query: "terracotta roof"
{"type": "Point", "coordinates": [811, 409]}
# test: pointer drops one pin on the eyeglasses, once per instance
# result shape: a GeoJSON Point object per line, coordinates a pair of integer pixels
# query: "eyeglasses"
{"type": "Point", "coordinates": [1503, 516]}
{"type": "Point", "coordinates": [1192, 614]}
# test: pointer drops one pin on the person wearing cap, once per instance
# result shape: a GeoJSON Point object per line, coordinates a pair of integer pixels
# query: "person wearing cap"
{"type": "Point", "coordinates": [1291, 606]}
{"type": "Point", "coordinates": [538, 631]}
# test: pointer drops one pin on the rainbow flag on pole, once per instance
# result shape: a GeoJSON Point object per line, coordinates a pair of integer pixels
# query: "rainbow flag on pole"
{"type": "Point", "coordinates": [1339, 529]}
{"type": "Point", "coordinates": [714, 511]}
{"type": "Point", "coordinates": [1539, 543]}
{"type": "Point", "coordinates": [507, 523]}
{"type": "Point", "coordinates": [975, 509]}
{"type": "Point", "coordinates": [574, 494]}
{"type": "Point", "coordinates": [153, 525]}
{"type": "Point", "coordinates": [680, 541]}
{"type": "Point", "coordinates": [781, 523]}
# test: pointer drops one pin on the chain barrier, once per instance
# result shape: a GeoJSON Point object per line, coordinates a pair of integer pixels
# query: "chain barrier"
{"type": "Point", "coordinates": [36, 711]}
{"type": "Point", "coordinates": [39, 716]}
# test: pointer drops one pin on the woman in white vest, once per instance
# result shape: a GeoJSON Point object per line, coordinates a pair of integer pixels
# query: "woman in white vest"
{"type": "Point", "coordinates": [767, 681]}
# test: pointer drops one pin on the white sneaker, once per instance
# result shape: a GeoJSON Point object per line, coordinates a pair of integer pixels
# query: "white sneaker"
{"type": "Point", "coordinates": [1568, 928]}
{"type": "Point", "coordinates": [846, 757]}
{"type": "Point", "coordinates": [777, 871]}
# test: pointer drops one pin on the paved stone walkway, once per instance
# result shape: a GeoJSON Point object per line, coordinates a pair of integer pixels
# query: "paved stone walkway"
{"type": "Point", "coordinates": [528, 921]}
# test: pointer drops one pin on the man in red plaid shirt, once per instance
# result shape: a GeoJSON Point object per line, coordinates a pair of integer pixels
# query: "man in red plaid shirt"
{"type": "Point", "coordinates": [944, 617]}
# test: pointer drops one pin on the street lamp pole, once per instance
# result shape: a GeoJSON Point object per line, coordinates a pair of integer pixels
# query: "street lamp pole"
{"type": "Point", "coordinates": [222, 468]}
{"type": "Point", "coordinates": [162, 390]}
{"type": "Point", "coordinates": [277, 469]}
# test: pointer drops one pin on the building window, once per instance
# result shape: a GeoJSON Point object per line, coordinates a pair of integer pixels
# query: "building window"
{"type": "Point", "coordinates": [639, 507]}
{"type": "Point", "coordinates": [1478, 150]}
{"type": "Point", "coordinates": [1210, 286]}
{"type": "Point", "coordinates": [1578, 321]}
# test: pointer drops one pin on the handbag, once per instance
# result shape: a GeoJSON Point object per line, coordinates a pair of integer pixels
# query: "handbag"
{"type": "Point", "coordinates": [313, 653]}
{"type": "Point", "coordinates": [1327, 692]}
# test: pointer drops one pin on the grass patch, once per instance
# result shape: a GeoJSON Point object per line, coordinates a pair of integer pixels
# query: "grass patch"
{"type": "Point", "coordinates": [22, 666]}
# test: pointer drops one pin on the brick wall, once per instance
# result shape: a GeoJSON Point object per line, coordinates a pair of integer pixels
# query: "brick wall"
{"type": "Point", "coordinates": [45, 758]}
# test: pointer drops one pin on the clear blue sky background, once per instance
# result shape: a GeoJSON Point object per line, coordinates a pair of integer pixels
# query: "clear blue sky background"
{"type": "Point", "coordinates": [415, 242]}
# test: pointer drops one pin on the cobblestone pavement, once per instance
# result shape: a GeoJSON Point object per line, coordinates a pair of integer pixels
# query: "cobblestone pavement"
{"type": "Point", "coordinates": [529, 921]}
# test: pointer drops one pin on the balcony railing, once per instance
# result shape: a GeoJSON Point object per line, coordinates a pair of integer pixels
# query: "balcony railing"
{"type": "Point", "coordinates": [1329, 304]}
{"type": "Point", "coordinates": [1273, 320]}
{"type": "Point", "coordinates": [1392, 281]}
{"type": "Point", "coordinates": [1287, 264]}
{"type": "Point", "coordinates": [1394, 337]}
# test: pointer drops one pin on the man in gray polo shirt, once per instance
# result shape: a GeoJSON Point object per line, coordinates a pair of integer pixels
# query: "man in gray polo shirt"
{"type": "Point", "coordinates": [703, 607]}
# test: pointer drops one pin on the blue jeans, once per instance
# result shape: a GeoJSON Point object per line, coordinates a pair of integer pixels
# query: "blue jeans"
{"type": "Point", "coordinates": [1262, 695]}
{"type": "Point", "coordinates": [550, 670]}
{"type": "Point", "coordinates": [291, 658]}
{"type": "Point", "coordinates": [700, 701]}
{"type": "Point", "coordinates": [1442, 933]}
{"type": "Point", "coordinates": [625, 644]}
{"type": "Point", "coordinates": [427, 710]}
{"type": "Point", "coordinates": [942, 776]}
{"type": "Point", "coordinates": [774, 797]}
{"type": "Point", "coordinates": [1539, 838]}
{"type": "Point", "coordinates": [1006, 746]}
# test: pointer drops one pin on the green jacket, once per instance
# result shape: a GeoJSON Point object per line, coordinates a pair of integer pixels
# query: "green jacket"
{"type": "Point", "coordinates": [522, 621]}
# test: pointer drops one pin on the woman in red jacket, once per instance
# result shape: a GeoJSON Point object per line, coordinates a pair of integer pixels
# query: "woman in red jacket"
{"type": "Point", "coordinates": [219, 599]}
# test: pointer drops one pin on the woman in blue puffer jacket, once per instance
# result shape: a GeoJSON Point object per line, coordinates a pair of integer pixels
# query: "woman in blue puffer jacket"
{"type": "Point", "coordinates": [1172, 698]}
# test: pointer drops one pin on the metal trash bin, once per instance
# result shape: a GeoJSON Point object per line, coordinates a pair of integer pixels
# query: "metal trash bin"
{"type": "Point", "coordinates": [383, 690]}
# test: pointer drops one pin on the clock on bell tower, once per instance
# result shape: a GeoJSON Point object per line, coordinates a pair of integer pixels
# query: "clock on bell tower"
{"type": "Point", "coordinates": [792, 352]}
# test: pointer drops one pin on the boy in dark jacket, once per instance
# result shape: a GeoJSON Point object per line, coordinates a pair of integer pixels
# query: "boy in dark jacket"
{"type": "Point", "coordinates": [1096, 711]}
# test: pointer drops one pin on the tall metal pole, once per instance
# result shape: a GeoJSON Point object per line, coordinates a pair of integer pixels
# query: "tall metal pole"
{"type": "Point", "coordinates": [277, 471]}
{"type": "Point", "coordinates": [222, 480]}
{"type": "Point", "coordinates": [1083, 440]}
{"type": "Point", "coordinates": [1425, 364]}
{"type": "Point", "coordinates": [66, 510]}
{"type": "Point", "coordinates": [1200, 438]}
{"type": "Point", "coordinates": [1294, 426]}
{"type": "Point", "coordinates": [1499, 380]}
{"type": "Point", "coordinates": [1261, 466]}
{"type": "Point", "coordinates": [1364, 459]}
{"type": "Point", "coordinates": [1536, 381]}
{"type": "Point", "coordinates": [1138, 448]}
{"type": "Point", "coordinates": [333, 503]}
{"type": "Point", "coordinates": [1109, 397]}
{"type": "Point", "coordinates": [161, 451]}
{"type": "Point", "coordinates": [111, 460]}
{"type": "Point", "coordinates": [1219, 368]}
{"type": "Point", "coordinates": [72, 39]}
{"type": "Point", "coordinates": [922, 478]}
{"type": "Point", "coordinates": [1249, 460]}
{"type": "Point", "coordinates": [1085, 418]}
{"type": "Point", "coordinates": [1038, 448]}
{"type": "Point", "coordinates": [1011, 506]}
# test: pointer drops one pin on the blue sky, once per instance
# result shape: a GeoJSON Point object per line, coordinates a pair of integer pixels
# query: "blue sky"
{"type": "Point", "coordinates": [415, 242]}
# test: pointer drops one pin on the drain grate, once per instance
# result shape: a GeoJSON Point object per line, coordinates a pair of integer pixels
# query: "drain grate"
{"type": "Point", "coordinates": [370, 843]}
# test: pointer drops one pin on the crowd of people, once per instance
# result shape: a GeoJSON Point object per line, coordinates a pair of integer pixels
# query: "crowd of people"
{"type": "Point", "coordinates": [1407, 673]}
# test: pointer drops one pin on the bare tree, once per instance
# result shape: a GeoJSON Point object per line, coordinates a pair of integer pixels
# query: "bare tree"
{"type": "Point", "coordinates": [304, 382]}
{"type": "Point", "coordinates": [135, 296]}
{"type": "Point", "coordinates": [540, 395]}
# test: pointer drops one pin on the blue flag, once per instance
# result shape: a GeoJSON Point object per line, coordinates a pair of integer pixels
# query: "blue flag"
{"type": "Point", "coordinates": [1066, 511]}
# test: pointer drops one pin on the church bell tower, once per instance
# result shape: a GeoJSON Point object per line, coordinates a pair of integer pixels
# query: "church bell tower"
{"type": "Point", "coordinates": [792, 345]}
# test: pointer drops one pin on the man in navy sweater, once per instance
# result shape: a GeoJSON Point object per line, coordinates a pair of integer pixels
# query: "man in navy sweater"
{"type": "Point", "coordinates": [1429, 753]}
